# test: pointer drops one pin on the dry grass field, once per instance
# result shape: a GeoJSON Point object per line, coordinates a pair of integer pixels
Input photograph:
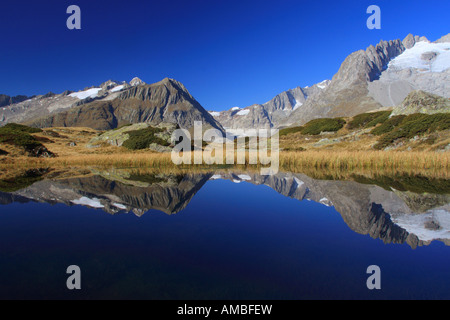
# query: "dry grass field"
{"type": "Point", "coordinates": [70, 146]}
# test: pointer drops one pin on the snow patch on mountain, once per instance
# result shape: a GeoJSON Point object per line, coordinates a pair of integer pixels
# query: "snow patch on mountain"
{"type": "Point", "coordinates": [425, 56]}
{"type": "Point", "coordinates": [90, 93]}
{"type": "Point", "coordinates": [243, 112]}
{"type": "Point", "coordinates": [323, 84]}
{"type": "Point", "coordinates": [298, 104]}
{"type": "Point", "coordinates": [118, 88]}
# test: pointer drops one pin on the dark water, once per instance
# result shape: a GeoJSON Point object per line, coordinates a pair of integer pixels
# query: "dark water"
{"type": "Point", "coordinates": [210, 237]}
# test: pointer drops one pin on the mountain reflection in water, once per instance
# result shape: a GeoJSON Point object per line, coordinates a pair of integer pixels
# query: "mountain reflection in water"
{"type": "Point", "coordinates": [387, 209]}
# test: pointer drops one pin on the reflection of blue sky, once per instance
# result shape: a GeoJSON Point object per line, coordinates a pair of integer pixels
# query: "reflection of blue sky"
{"type": "Point", "coordinates": [231, 241]}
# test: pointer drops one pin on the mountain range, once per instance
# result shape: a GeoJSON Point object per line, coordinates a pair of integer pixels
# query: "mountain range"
{"type": "Point", "coordinates": [111, 105]}
{"type": "Point", "coordinates": [377, 78]}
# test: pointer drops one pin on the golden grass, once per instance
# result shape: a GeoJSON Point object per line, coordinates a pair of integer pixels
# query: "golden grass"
{"type": "Point", "coordinates": [386, 162]}
{"type": "Point", "coordinates": [390, 162]}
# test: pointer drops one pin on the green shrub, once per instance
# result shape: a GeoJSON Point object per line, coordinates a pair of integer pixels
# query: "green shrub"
{"type": "Point", "coordinates": [21, 128]}
{"type": "Point", "coordinates": [291, 130]}
{"type": "Point", "coordinates": [388, 125]}
{"type": "Point", "coordinates": [415, 125]}
{"type": "Point", "coordinates": [19, 135]}
{"type": "Point", "coordinates": [143, 138]}
{"type": "Point", "coordinates": [315, 127]}
{"type": "Point", "coordinates": [367, 120]}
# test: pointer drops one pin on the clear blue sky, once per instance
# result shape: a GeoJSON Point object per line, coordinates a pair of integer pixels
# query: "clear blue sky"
{"type": "Point", "coordinates": [227, 53]}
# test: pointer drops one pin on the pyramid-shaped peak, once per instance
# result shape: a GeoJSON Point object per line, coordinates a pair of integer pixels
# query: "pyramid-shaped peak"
{"type": "Point", "coordinates": [173, 83]}
{"type": "Point", "coordinates": [136, 81]}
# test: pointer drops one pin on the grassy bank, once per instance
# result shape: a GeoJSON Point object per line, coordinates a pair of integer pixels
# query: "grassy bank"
{"type": "Point", "coordinates": [427, 163]}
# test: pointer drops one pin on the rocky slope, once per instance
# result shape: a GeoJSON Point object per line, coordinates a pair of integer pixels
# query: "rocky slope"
{"type": "Point", "coordinates": [110, 105]}
{"type": "Point", "coordinates": [7, 100]}
{"type": "Point", "coordinates": [167, 101]}
{"type": "Point", "coordinates": [271, 113]}
{"type": "Point", "coordinates": [44, 105]}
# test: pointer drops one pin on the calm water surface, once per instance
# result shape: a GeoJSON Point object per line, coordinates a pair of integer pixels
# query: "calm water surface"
{"type": "Point", "coordinates": [222, 236]}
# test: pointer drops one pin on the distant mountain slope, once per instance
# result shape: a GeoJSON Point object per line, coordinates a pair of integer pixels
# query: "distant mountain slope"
{"type": "Point", "coordinates": [44, 105]}
{"type": "Point", "coordinates": [271, 113]}
{"type": "Point", "coordinates": [165, 101]}
{"type": "Point", "coordinates": [7, 100]}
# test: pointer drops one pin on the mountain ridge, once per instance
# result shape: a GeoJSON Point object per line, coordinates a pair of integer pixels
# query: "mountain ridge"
{"type": "Point", "coordinates": [165, 101]}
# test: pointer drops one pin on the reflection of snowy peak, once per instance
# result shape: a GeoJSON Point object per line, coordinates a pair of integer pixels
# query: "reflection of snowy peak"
{"type": "Point", "coordinates": [428, 226]}
{"type": "Point", "coordinates": [393, 216]}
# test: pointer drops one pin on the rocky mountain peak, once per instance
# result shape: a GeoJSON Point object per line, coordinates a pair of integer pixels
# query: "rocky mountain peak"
{"type": "Point", "coordinates": [136, 82]}
{"type": "Point", "coordinates": [411, 40]}
{"type": "Point", "coordinates": [109, 84]}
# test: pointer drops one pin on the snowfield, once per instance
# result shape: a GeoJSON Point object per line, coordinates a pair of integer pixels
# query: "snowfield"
{"type": "Point", "coordinates": [425, 56]}
{"type": "Point", "coordinates": [90, 93]}
{"type": "Point", "coordinates": [118, 88]}
{"type": "Point", "coordinates": [243, 112]}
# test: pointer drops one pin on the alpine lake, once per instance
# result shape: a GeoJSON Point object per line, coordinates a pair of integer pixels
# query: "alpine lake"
{"type": "Point", "coordinates": [223, 235]}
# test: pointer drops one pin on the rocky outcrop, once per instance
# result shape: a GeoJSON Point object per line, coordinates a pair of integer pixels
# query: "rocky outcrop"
{"type": "Point", "coordinates": [410, 40]}
{"type": "Point", "coordinates": [422, 102]}
{"type": "Point", "coordinates": [117, 137]}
